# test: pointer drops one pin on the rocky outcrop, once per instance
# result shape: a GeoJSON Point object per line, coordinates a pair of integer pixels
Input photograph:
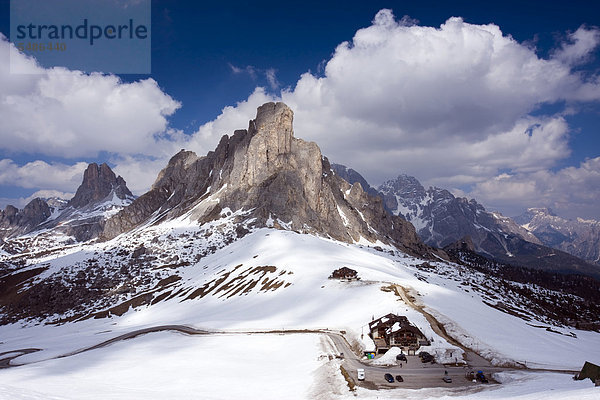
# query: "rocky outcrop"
{"type": "Point", "coordinates": [278, 181]}
{"type": "Point", "coordinates": [14, 221]}
{"type": "Point", "coordinates": [99, 183]}
{"type": "Point", "coordinates": [100, 195]}
{"type": "Point", "coordinates": [464, 244]}
{"type": "Point", "coordinates": [352, 176]}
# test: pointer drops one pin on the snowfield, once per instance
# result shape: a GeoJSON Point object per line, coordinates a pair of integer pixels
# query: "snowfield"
{"type": "Point", "coordinates": [170, 365]}
{"type": "Point", "coordinates": [278, 280]}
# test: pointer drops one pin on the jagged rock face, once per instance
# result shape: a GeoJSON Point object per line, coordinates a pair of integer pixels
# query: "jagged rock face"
{"type": "Point", "coordinates": [351, 176]}
{"type": "Point", "coordinates": [279, 180]}
{"type": "Point", "coordinates": [99, 181]}
{"type": "Point", "coordinates": [99, 195]}
{"type": "Point", "coordinates": [443, 220]}
{"type": "Point", "coordinates": [579, 237]}
{"type": "Point", "coordinates": [14, 221]}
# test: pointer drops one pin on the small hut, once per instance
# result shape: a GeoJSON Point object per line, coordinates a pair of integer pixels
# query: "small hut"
{"type": "Point", "coordinates": [344, 273]}
{"type": "Point", "coordinates": [591, 371]}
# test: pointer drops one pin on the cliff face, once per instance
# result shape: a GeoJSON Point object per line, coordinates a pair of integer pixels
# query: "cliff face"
{"type": "Point", "coordinates": [99, 182]}
{"type": "Point", "coordinates": [15, 221]}
{"type": "Point", "coordinates": [278, 181]}
{"type": "Point", "coordinates": [100, 195]}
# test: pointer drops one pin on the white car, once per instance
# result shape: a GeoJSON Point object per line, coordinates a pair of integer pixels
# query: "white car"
{"type": "Point", "coordinates": [361, 374]}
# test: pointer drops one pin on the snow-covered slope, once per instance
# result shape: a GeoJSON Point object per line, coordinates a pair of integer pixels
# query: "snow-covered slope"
{"type": "Point", "coordinates": [269, 280]}
{"type": "Point", "coordinates": [274, 279]}
{"type": "Point", "coordinates": [241, 243]}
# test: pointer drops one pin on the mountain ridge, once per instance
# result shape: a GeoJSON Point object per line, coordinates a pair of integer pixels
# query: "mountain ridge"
{"type": "Point", "coordinates": [579, 237]}
{"type": "Point", "coordinates": [443, 220]}
{"type": "Point", "coordinates": [278, 179]}
{"type": "Point", "coordinates": [82, 217]}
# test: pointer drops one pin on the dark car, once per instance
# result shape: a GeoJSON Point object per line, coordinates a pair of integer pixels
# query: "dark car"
{"type": "Point", "coordinates": [389, 378]}
{"type": "Point", "coordinates": [481, 377]}
{"type": "Point", "coordinates": [426, 358]}
{"type": "Point", "coordinates": [399, 378]}
{"type": "Point", "coordinates": [401, 357]}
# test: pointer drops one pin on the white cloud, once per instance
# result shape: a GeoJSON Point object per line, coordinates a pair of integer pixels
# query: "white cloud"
{"type": "Point", "coordinates": [70, 114]}
{"type": "Point", "coordinates": [42, 175]}
{"type": "Point", "coordinates": [571, 191]}
{"type": "Point", "coordinates": [271, 75]}
{"type": "Point", "coordinates": [139, 172]}
{"type": "Point", "coordinates": [579, 47]}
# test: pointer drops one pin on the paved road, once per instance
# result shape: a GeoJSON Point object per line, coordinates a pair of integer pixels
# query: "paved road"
{"type": "Point", "coordinates": [471, 357]}
{"type": "Point", "coordinates": [416, 374]}
{"type": "Point", "coordinates": [7, 356]}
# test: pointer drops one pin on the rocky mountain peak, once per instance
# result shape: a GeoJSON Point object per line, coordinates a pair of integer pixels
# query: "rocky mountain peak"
{"type": "Point", "coordinates": [542, 211]}
{"type": "Point", "coordinates": [99, 182]}
{"type": "Point", "coordinates": [275, 122]}
{"type": "Point", "coordinates": [579, 237]}
{"type": "Point", "coordinates": [406, 186]}
{"type": "Point", "coordinates": [271, 178]}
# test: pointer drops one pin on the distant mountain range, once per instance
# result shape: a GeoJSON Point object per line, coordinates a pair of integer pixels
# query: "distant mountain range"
{"type": "Point", "coordinates": [579, 237]}
{"type": "Point", "coordinates": [444, 220]}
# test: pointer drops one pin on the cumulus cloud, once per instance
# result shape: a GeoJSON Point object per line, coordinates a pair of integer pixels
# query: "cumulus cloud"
{"type": "Point", "coordinates": [571, 191]}
{"type": "Point", "coordinates": [42, 175]}
{"type": "Point", "coordinates": [579, 46]}
{"type": "Point", "coordinates": [71, 114]}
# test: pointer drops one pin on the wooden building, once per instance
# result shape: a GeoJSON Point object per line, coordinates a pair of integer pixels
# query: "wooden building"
{"type": "Point", "coordinates": [394, 330]}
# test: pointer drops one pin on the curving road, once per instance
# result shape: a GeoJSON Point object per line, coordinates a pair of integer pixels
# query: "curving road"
{"type": "Point", "coordinates": [415, 374]}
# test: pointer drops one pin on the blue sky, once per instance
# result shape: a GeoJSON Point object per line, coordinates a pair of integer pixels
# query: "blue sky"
{"type": "Point", "coordinates": [209, 59]}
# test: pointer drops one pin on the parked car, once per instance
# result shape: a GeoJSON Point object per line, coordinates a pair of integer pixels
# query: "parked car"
{"type": "Point", "coordinates": [361, 374]}
{"type": "Point", "coordinates": [426, 358]}
{"type": "Point", "coordinates": [389, 378]}
{"type": "Point", "coordinates": [401, 357]}
{"type": "Point", "coordinates": [399, 378]}
{"type": "Point", "coordinates": [447, 379]}
{"type": "Point", "coordinates": [481, 377]}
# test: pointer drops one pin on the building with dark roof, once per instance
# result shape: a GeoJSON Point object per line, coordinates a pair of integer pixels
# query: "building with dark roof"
{"type": "Point", "coordinates": [393, 330]}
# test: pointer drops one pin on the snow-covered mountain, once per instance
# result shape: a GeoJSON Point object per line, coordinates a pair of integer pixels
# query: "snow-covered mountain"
{"type": "Point", "coordinates": [441, 220]}
{"type": "Point", "coordinates": [244, 240]}
{"type": "Point", "coordinates": [52, 222]}
{"type": "Point", "coordinates": [580, 237]}
{"type": "Point", "coordinates": [262, 177]}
